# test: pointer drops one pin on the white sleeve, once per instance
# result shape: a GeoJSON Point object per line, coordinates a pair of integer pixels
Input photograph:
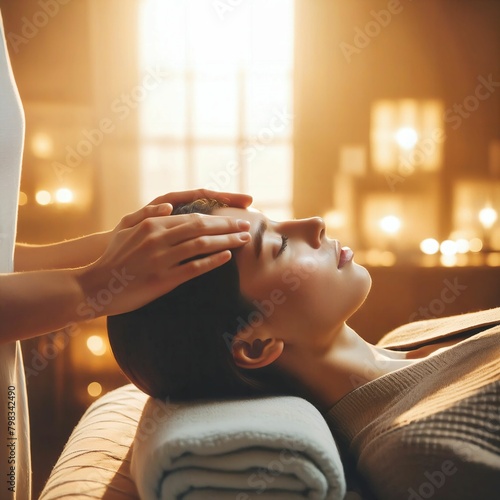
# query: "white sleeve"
{"type": "Point", "coordinates": [11, 152]}
{"type": "Point", "coordinates": [15, 466]}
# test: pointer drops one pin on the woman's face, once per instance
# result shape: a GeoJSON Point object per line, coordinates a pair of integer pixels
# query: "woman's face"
{"type": "Point", "coordinates": [300, 281]}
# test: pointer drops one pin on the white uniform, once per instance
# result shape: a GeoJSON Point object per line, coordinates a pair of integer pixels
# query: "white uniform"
{"type": "Point", "coordinates": [15, 466]}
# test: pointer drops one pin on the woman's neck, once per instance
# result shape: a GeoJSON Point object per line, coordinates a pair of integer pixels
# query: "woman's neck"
{"type": "Point", "coordinates": [330, 372]}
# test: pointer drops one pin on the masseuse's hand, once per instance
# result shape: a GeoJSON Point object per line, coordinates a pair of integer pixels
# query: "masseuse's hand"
{"type": "Point", "coordinates": [148, 250]}
{"type": "Point", "coordinates": [232, 199]}
{"type": "Point", "coordinates": [238, 200]}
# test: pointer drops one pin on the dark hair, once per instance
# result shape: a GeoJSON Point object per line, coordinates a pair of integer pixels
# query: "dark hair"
{"type": "Point", "coordinates": [179, 345]}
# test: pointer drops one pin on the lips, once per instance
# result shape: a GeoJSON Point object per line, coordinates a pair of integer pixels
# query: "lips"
{"type": "Point", "coordinates": [345, 256]}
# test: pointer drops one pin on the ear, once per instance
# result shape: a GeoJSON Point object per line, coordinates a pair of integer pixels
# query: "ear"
{"type": "Point", "coordinates": [256, 353]}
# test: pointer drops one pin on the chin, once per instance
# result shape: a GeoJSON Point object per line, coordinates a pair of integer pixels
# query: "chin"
{"type": "Point", "coordinates": [363, 277]}
{"type": "Point", "coordinates": [362, 285]}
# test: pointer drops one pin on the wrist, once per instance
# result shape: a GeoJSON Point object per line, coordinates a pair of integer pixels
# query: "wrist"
{"type": "Point", "coordinates": [102, 289]}
{"type": "Point", "coordinates": [91, 302]}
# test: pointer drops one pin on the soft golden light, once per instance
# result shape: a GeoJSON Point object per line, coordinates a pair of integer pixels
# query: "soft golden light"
{"type": "Point", "coordinates": [493, 259]}
{"type": "Point", "coordinates": [23, 199]}
{"type": "Point", "coordinates": [42, 145]}
{"type": "Point", "coordinates": [448, 260]}
{"type": "Point", "coordinates": [475, 245]}
{"type": "Point", "coordinates": [429, 246]}
{"type": "Point", "coordinates": [226, 79]}
{"type": "Point", "coordinates": [335, 219]}
{"type": "Point", "coordinates": [64, 195]}
{"type": "Point", "coordinates": [448, 247]}
{"type": "Point", "coordinates": [94, 389]}
{"type": "Point", "coordinates": [390, 224]}
{"type": "Point", "coordinates": [96, 345]}
{"type": "Point", "coordinates": [43, 197]}
{"type": "Point", "coordinates": [387, 259]}
{"type": "Point", "coordinates": [407, 137]}
{"type": "Point", "coordinates": [488, 217]}
{"type": "Point", "coordinates": [463, 245]}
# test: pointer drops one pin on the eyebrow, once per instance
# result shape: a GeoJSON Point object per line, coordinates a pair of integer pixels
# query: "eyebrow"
{"type": "Point", "coordinates": [259, 234]}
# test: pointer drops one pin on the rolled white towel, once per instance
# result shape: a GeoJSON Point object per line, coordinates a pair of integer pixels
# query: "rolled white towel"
{"type": "Point", "coordinates": [263, 448]}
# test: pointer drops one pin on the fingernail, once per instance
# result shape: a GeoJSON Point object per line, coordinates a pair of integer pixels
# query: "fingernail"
{"type": "Point", "coordinates": [243, 224]}
{"type": "Point", "coordinates": [245, 236]}
{"type": "Point", "coordinates": [164, 207]}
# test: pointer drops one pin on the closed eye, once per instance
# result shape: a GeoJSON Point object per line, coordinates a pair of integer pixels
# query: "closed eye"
{"type": "Point", "coordinates": [284, 243]}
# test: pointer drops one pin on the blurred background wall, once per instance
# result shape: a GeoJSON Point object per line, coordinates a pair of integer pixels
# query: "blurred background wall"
{"type": "Point", "coordinates": [383, 117]}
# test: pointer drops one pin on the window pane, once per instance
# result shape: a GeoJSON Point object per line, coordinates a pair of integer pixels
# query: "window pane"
{"type": "Point", "coordinates": [269, 176]}
{"type": "Point", "coordinates": [226, 91]}
{"type": "Point", "coordinates": [216, 167]}
{"type": "Point", "coordinates": [272, 36]}
{"type": "Point", "coordinates": [163, 170]}
{"type": "Point", "coordinates": [215, 107]}
{"type": "Point", "coordinates": [218, 34]}
{"type": "Point", "coordinates": [163, 112]}
{"type": "Point", "coordinates": [383, 128]}
{"type": "Point", "coordinates": [163, 41]}
{"type": "Point", "coordinates": [268, 105]}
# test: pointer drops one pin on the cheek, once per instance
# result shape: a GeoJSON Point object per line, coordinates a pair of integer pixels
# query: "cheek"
{"type": "Point", "coordinates": [323, 296]}
{"type": "Point", "coordinates": [311, 293]}
{"type": "Point", "coordinates": [308, 294]}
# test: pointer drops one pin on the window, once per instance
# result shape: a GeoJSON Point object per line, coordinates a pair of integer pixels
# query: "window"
{"type": "Point", "coordinates": [220, 114]}
{"type": "Point", "coordinates": [407, 135]}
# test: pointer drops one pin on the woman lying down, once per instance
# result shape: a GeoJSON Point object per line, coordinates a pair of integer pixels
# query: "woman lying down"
{"type": "Point", "coordinates": [419, 411]}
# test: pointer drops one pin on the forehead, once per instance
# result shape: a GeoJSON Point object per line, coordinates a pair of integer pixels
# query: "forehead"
{"type": "Point", "coordinates": [250, 214]}
{"type": "Point", "coordinates": [245, 255]}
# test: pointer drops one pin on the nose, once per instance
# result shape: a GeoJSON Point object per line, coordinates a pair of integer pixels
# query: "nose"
{"type": "Point", "coordinates": [311, 230]}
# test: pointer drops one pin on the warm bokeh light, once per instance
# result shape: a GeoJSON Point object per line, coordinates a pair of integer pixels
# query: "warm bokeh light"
{"type": "Point", "coordinates": [448, 247]}
{"type": "Point", "coordinates": [94, 389]}
{"type": "Point", "coordinates": [43, 197]}
{"type": "Point", "coordinates": [23, 199]}
{"type": "Point", "coordinates": [448, 260]}
{"type": "Point", "coordinates": [335, 219]}
{"type": "Point", "coordinates": [407, 137]}
{"type": "Point", "coordinates": [429, 246]}
{"type": "Point", "coordinates": [96, 345]}
{"type": "Point", "coordinates": [42, 145]}
{"type": "Point", "coordinates": [390, 224]}
{"type": "Point", "coordinates": [488, 217]}
{"type": "Point", "coordinates": [475, 245]}
{"type": "Point", "coordinates": [463, 245]}
{"type": "Point", "coordinates": [493, 259]}
{"type": "Point", "coordinates": [387, 258]}
{"type": "Point", "coordinates": [64, 195]}
{"type": "Point", "coordinates": [375, 257]}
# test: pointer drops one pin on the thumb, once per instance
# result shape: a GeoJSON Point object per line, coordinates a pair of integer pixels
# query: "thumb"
{"type": "Point", "coordinates": [134, 218]}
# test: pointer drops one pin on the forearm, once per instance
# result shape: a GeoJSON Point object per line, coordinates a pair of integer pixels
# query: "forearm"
{"type": "Point", "coordinates": [34, 303]}
{"type": "Point", "coordinates": [64, 255]}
